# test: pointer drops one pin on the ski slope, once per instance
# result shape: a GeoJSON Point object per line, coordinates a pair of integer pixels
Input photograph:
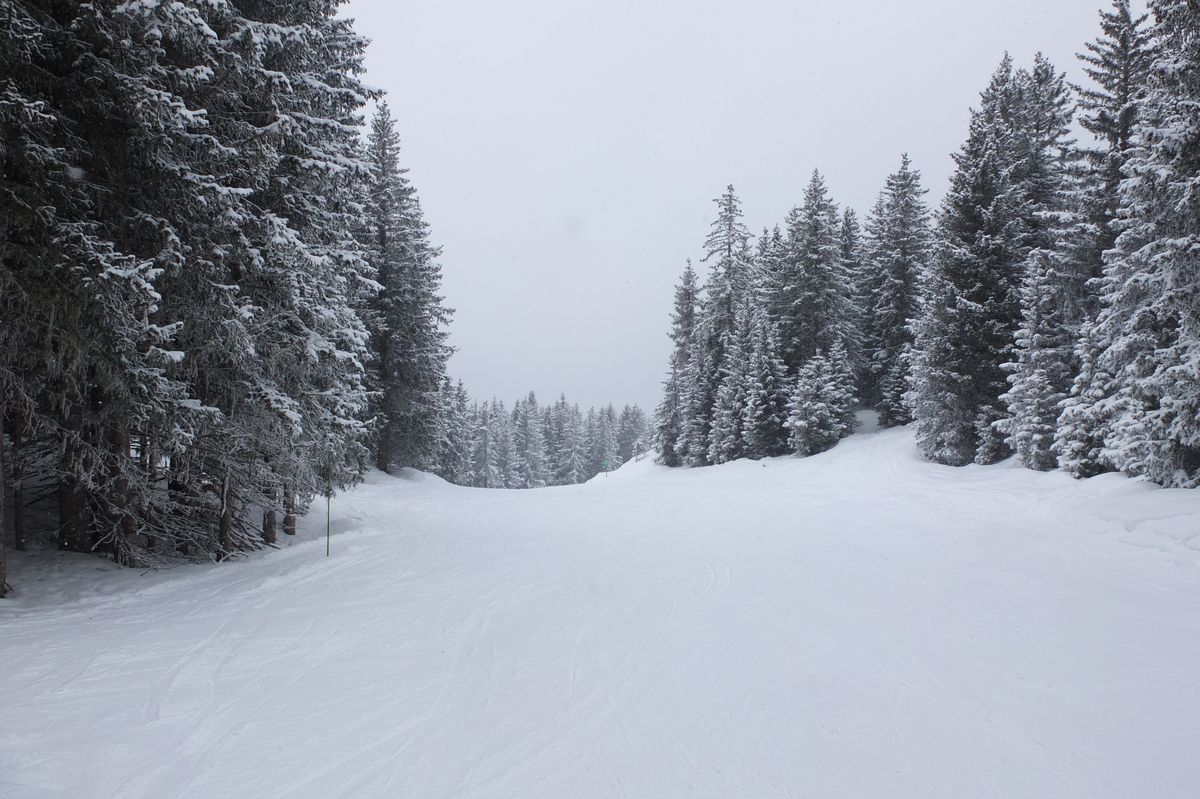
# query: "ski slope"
{"type": "Point", "coordinates": [856, 624]}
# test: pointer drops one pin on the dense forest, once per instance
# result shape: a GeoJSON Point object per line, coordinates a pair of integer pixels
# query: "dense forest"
{"type": "Point", "coordinates": [1047, 311]}
{"type": "Point", "coordinates": [220, 298]}
{"type": "Point", "coordinates": [218, 291]}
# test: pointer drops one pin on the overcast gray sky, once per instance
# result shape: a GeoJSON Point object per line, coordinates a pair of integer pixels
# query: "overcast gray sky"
{"type": "Point", "coordinates": [567, 153]}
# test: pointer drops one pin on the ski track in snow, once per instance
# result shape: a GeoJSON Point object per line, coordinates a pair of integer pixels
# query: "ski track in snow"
{"type": "Point", "coordinates": [856, 624]}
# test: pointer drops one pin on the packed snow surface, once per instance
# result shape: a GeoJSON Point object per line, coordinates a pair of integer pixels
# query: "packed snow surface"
{"type": "Point", "coordinates": [856, 624]}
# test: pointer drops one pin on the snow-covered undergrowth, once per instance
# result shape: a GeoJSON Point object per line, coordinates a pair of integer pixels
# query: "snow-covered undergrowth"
{"type": "Point", "coordinates": [856, 624]}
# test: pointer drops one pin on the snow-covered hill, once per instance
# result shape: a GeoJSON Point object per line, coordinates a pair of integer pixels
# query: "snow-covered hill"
{"type": "Point", "coordinates": [856, 624]}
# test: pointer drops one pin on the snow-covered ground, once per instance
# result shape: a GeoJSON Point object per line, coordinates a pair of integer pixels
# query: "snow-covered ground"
{"type": "Point", "coordinates": [856, 624]}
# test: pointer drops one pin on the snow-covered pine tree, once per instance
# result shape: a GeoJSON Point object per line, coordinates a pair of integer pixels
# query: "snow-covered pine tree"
{"type": "Point", "coordinates": [725, 441]}
{"type": "Point", "coordinates": [603, 440]}
{"type": "Point", "coordinates": [485, 456]}
{"type": "Point", "coordinates": [529, 441]}
{"type": "Point", "coordinates": [898, 249]}
{"type": "Point", "coordinates": [631, 433]}
{"type": "Point", "coordinates": [1118, 62]}
{"type": "Point", "coordinates": [572, 452]}
{"type": "Point", "coordinates": [104, 189]}
{"type": "Point", "coordinates": [764, 417]}
{"type": "Point", "coordinates": [730, 281]}
{"type": "Point", "coordinates": [1043, 371]}
{"type": "Point", "coordinates": [1055, 270]}
{"type": "Point", "coordinates": [845, 388]}
{"type": "Point", "coordinates": [697, 395]}
{"type": "Point", "coordinates": [850, 246]}
{"type": "Point", "coordinates": [992, 217]}
{"type": "Point", "coordinates": [670, 416]}
{"type": "Point", "coordinates": [508, 464]}
{"type": "Point", "coordinates": [1148, 327]}
{"type": "Point", "coordinates": [1084, 419]}
{"type": "Point", "coordinates": [408, 335]}
{"type": "Point", "coordinates": [822, 401]}
{"type": "Point", "coordinates": [815, 304]}
{"type": "Point", "coordinates": [455, 435]}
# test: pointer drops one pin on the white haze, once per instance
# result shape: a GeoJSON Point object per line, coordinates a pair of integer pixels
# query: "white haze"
{"type": "Point", "coordinates": [567, 154]}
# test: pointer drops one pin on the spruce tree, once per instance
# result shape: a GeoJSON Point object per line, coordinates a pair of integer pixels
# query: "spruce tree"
{"type": "Point", "coordinates": [1147, 328]}
{"type": "Point", "coordinates": [671, 414]}
{"type": "Point", "coordinates": [1043, 371]}
{"type": "Point", "coordinates": [408, 336]}
{"type": "Point", "coordinates": [765, 413]}
{"type": "Point", "coordinates": [572, 458]}
{"type": "Point", "coordinates": [814, 306]}
{"type": "Point", "coordinates": [631, 433]}
{"type": "Point", "coordinates": [899, 247]}
{"type": "Point", "coordinates": [1007, 180]}
{"type": "Point", "coordinates": [529, 441]}
{"type": "Point", "coordinates": [1118, 63]}
{"type": "Point", "coordinates": [820, 412]}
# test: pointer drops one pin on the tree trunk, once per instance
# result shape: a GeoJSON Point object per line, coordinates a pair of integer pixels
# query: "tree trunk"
{"type": "Point", "coordinates": [125, 523]}
{"type": "Point", "coordinates": [18, 480]}
{"type": "Point", "coordinates": [225, 531]}
{"type": "Point", "coordinates": [289, 516]}
{"type": "Point", "coordinates": [268, 530]}
{"type": "Point", "coordinates": [3, 515]}
{"type": "Point", "coordinates": [73, 529]}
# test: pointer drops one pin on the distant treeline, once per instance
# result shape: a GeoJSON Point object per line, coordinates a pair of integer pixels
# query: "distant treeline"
{"type": "Point", "coordinates": [534, 445]}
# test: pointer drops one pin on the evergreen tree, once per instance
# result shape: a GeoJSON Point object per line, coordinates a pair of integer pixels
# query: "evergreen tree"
{"type": "Point", "coordinates": [1118, 62]}
{"type": "Point", "coordinates": [899, 246]}
{"type": "Point", "coordinates": [764, 417]}
{"type": "Point", "coordinates": [820, 412]}
{"type": "Point", "coordinates": [671, 414]}
{"type": "Point", "coordinates": [814, 307]}
{"type": "Point", "coordinates": [1084, 418]}
{"type": "Point", "coordinates": [573, 450]}
{"type": "Point", "coordinates": [725, 441]}
{"type": "Point", "coordinates": [602, 440]}
{"type": "Point", "coordinates": [408, 336]}
{"type": "Point", "coordinates": [1043, 371]}
{"type": "Point", "coordinates": [1007, 179]}
{"type": "Point", "coordinates": [631, 433]}
{"type": "Point", "coordinates": [486, 471]}
{"type": "Point", "coordinates": [529, 440]}
{"type": "Point", "coordinates": [1147, 328]}
{"type": "Point", "coordinates": [455, 435]}
{"type": "Point", "coordinates": [850, 247]}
